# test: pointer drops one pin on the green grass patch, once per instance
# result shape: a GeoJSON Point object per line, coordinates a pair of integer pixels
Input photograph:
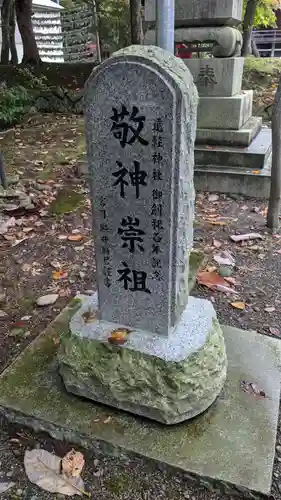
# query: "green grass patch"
{"type": "Point", "coordinates": [67, 201]}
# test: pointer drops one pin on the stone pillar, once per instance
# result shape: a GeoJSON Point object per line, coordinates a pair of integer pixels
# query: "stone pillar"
{"type": "Point", "coordinates": [149, 348]}
{"type": "Point", "coordinates": [225, 111]}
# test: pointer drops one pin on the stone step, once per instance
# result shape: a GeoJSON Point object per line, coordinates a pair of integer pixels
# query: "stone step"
{"type": "Point", "coordinates": [225, 112]}
{"type": "Point", "coordinates": [253, 157]}
{"type": "Point", "coordinates": [242, 137]}
{"type": "Point", "coordinates": [233, 180]}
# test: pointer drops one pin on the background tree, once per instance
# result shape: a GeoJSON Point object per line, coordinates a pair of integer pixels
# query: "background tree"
{"type": "Point", "coordinates": [275, 186]}
{"type": "Point", "coordinates": [5, 24]}
{"type": "Point", "coordinates": [136, 22]}
{"type": "Point", "coordinates": [258, 13]}
{"type": "Point", "coordinates": [24, 20]}
{"type": "Point", "coordinates": [8, 26]}
{"type": "Point", "coordinates": [12, 31]}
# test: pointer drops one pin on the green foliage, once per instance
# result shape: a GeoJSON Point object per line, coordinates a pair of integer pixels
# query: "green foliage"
{"type": "Point", "coordinates": [15, 102]}
{"type": "Point", "coordinates": [30, 80]}
{"type": "Point", "coordinates": [114, 23]}
{"type": "Point", "coordinates": [265, 17]}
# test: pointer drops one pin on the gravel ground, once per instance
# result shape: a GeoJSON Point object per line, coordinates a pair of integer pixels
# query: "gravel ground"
{"type": "Point", "coordinates": [56, 238]}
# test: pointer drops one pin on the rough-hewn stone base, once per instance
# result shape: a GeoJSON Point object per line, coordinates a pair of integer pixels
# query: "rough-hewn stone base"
{"type": "Point", "coordinates": [166, 379]}
{"type": "Point", "coordinates": [230, 447]}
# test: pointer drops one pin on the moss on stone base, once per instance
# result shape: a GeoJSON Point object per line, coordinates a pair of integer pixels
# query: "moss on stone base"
{"type": "Point", "coordinates": [166, 391]}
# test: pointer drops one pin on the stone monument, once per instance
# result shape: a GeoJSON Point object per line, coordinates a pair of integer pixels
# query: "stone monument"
{"type": "Point", "coordinates": [224, 120]}
{"type": "Point", "coordinates": [140, 109]}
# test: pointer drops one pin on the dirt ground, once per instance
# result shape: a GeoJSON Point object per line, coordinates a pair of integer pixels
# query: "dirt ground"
{"type": "Point", "coordinates": [46, 247]}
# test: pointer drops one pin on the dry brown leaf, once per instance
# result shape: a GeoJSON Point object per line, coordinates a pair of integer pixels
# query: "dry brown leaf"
{"type": "Point", "coordinates": [210, 279]}
{"type": "Point", "coordinates": [75, 237]}
{"type": "Point", "coordinates": [9, 237]}
{"type": "Point", "coordinates": [251, 388]}
{"type": "Point", "coordinates": [230, 280]}
{"type": "Point", "coordinates": [58, 275]}
{"type": "Point", "coordinates": [119, 336]}
{"type": "Point", "coordinates": [89, 316]}
{"type": "Point", "coordinates": [72, 463]}
{"type": "Point", "coordinates": [210, 269]}
{"type": "Point", "coordinates": [64, 292]}
{"type": "Point", "coordinates": [238, 305]}
{"type": "Point", "coordinates": [43, 469]}
{"type": "Point", "coordinates": [216, 222]}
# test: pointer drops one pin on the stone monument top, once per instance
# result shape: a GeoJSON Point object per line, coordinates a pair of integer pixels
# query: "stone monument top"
{"type": "Point", "coordinates": [140, 104]}
{"type": "Point", "coordinates": [201, 12]}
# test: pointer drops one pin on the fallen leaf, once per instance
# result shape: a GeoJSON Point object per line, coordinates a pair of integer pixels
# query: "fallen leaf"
{"type": "Point", "coordinates": [230, 280]}
{"type": "Point", "coordinates": [238, 305]}
{"type": "Point", "coordinates": [44, 469]}
{"type": "Point", "coordinates": [64, 292]}
{"type": "Point", "coordinates": [6, 486]}
{"type": "Point", "coordinates": [17, 242]}
{"type": "Point", "coordinates": [47, 300]}
{"type": "Point", "coordinates": [213, 197]}
{"type": "Point", "coordinates": [55, 264]}
{"type": "Point", "coordinates": [269, 309]}
{"type": "Point", "coordinates": [26, 267]}
{"type": "Point", "coordinates": [224, 259]}
{"type": "Point", "coordinates": [9, 237]}
{"type": "Point", "coordinates": [58, 275]}
{"type": "Point", "coordinates": [89, 316]}
{"type": "Point", "coordinates": [210, 279]}
{"type": "Point", "coordinates": [75, 237]}
{"type": "Point", "coordinates": [256, 172]}
{"type": "Point", "coordinates": [245, 237]}
{"type": "Point", "coordinates": [72, 463]}
{"type": "Point", "coordinates": [216, 222]}
{"type": "Point", "coordinates": [222, 288]}
{"type": "Point", "coordinates": [6, 224]}
{"type": "Point", "coordinates": [217, 244]}
{"type": "Point", "coordinates": [211, 269]}
{"type": "Point", "coordinates": [274, 331]}
{"type": "Point", "coordinates": [119, 336]}
{"type": "Point", "coordinates": [251, 388]}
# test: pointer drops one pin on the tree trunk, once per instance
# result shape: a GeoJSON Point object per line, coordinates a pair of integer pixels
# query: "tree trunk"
{"type": "Point", "coordinates": [5, 18]}
{"type": "Point", "coordinates": [96, 30]}
{"type": "Point", "coordinates": [248, 26]}
{"type": "Point", "coordinates": [275, 185]}
{"type": "Point", "coordinates": [136, 22]}
{"type": "Point", "coordinates": [30, 50]}
{"type": "Point", "coordinates": [255, 51]}
{"type": "Point", "coordinates": [12, 29]}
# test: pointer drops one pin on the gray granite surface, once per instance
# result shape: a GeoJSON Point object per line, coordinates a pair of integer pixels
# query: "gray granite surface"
{"type": "Point", "coordinates": [140, 109]}
{"type": "Point", "coordinates": [187, 337]}
{"type": "Point", "coordinates": [201, 12]}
